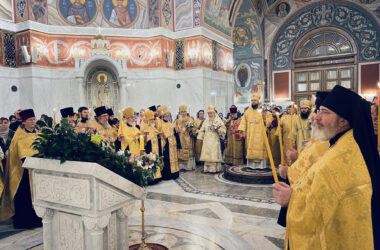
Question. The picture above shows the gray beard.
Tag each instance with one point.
(183, 118)
(105, 125)
(324, 134)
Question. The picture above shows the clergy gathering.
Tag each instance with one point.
(189, 124)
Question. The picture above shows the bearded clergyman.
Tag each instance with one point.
(302, 126)
(102, 126)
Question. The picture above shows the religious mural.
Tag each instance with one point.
(247, 53)
(77, 12)
(183, 14)
(9, 49)
(154, 13)
(21, 10)
(120, 13)
(38, 11)
(363, 29)
(197, 12)
(102, 89)
(282, 9)
(301, 3)
(6, 10)
(22, 39)
(215, 15)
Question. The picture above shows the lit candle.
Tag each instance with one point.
(189, 109)
(54, 111)
(142, 143)
(268, 148)
(291, 125)
(280, 138)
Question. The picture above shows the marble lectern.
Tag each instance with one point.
(82, 205)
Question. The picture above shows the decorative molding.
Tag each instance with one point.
(62, 190)
(9, 45)
(109, 197)
(197, 12)
(214, 56)
(179, 54)
(348, 17)
(96, 223)
(44, 212)
(125, 211)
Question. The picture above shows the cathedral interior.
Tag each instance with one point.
(138, 53)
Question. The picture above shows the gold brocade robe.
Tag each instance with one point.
(152, 138)
(131, 138)
(254, 141)
(167, 130)
(274, 142)
(211, 151)
(309, 155)
(234, 152)
(198, 143)
(285, 132)
(107, 134)
(186, 137)
(301, 131)
(330, 206)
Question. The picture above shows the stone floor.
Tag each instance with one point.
(196, 211)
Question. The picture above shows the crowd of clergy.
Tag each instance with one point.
(325, 151)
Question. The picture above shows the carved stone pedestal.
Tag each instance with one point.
(83, 205)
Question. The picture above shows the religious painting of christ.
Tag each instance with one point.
(77, 12)
(120, 13)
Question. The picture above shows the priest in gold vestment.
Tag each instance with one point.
(18, 196)
(286, 119)
(185, 128)
(335, 203)
(301, 126)
(211, 132)
(152, 139)
(106, 131)
(234, 152)
(198, 143)
(252, 131)
(128, 133)
(171, 144)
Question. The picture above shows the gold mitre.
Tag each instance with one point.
(162, 110)
(256, 96)
(128, 113)
(210, 108)
(305, 103)
(149, 115)
(182, 108)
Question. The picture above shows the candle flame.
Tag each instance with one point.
(54, 110)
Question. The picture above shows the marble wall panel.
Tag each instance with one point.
(10, 100)
(6, 10)
(1, 49)
(183, 14)
(38, 11)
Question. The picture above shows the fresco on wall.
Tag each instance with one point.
(38, 11)
(362, 28)
(154, 13)
(247, 53)
(301, 3)
(22, 39)
(248, 76)
(216, 14)
(197, 12)
(21, 10)
(77, 12)
(167, 14)
(120, 13)
(282, 9)
(183, 14)
(6, 10)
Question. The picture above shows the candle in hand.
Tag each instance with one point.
(142, 143)
(54, 111)
(268, 148)
(280, 138)
(291, 125)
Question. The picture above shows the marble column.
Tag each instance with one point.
(123, 93)
(122, 226)
(47, 216)
(82, 91)
(95, 228)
